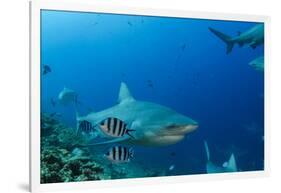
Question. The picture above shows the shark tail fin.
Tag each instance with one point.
(207, 150)
(231, 164)
(227, 39)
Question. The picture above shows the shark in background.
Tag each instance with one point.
(153, 124)
(258, 63)
(228, 166)
(253, 37)
(67, 96)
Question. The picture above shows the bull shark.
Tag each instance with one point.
(258, 63)
(252, 37)
(228, 166)
(154, 124)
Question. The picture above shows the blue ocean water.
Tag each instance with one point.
(174, 62)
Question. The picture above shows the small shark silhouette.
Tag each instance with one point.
(258, 63)
(67, 96)
(253, 37)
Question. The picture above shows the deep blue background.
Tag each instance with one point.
(92, 53)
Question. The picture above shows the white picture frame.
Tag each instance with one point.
(35, 8)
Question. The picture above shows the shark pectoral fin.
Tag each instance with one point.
(118, 140)
(231, 164)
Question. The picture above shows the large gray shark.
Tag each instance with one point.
(154, 124)
(229, 166)
(252, 37)
(258, 63)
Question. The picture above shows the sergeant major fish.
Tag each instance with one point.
(119, 154)
(85, 126)
(115, 127)
(112, 127)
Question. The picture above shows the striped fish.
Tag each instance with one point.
(119, 154)
(115, 127)
(85, 126)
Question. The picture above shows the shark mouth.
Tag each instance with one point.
(179, 129)
(169, 135)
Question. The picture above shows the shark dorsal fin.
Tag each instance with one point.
(124, 94)
(231, 164)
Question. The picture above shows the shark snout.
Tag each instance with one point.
(171, 134)
(181, 129)
(189, 128)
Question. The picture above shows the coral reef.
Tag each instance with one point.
(63, 161)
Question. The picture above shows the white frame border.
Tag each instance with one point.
(34, 146)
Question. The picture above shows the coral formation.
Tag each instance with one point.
(63, 161)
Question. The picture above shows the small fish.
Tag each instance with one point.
(46, 69)
(183, 47)
(119, 154)
(150, 84)
(115, 127)
(172, 167)
(85, 126)
(129, 23)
